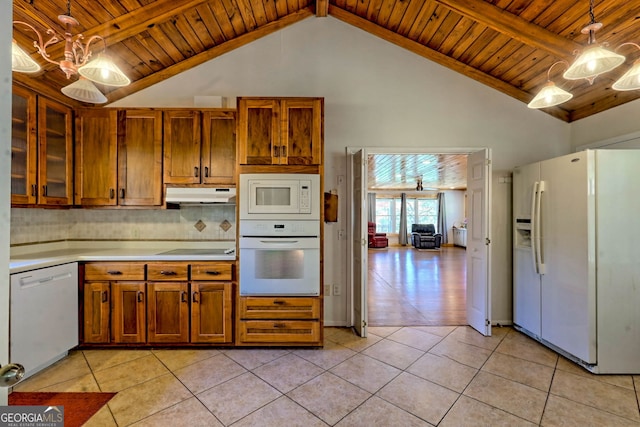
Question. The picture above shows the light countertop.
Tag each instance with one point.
(31, 257)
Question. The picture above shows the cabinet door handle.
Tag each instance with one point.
(34, 190)
(279, 325)
(112, 193)
(196, 171)
(276, 151)
(284, 150)
(44, 190)
(206, 171)
(140, 296)
(278, 302)
(194, 297)
(114, 272)
(213, 273)
(105, 296)
(183, 297)
(122, 193)
(168, 273)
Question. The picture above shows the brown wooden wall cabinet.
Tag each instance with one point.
(158, 303)
(119, 153)
(280, 131)
(140, 158)
(199, 147)
(118, 157)
(41, 150)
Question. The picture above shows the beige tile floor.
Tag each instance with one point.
(409, 376)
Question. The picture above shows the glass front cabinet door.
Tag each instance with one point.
(41, 144)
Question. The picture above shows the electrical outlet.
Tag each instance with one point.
(327, 290)
(336, 290)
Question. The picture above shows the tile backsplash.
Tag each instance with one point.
(187, 223)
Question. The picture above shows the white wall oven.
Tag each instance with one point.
(280, 258)
(280, 196)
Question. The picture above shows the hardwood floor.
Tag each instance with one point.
(408, 287)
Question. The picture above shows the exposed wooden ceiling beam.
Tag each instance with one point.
(513, 26)
(440, 58)
(322, 8)
(207, 55)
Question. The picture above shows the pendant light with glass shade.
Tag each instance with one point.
(550, 94)
(76, 60)
(631, 79)
(594, 60)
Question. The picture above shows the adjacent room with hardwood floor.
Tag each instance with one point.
(408, 285)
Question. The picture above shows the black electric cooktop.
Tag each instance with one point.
(198, 252)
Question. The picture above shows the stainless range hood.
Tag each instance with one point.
(197, 196)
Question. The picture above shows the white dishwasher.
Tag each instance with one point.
(44, 316)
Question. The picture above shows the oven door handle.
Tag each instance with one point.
(280, 242)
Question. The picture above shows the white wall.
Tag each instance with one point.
(376, 95)
(618, 127)
(454, 202)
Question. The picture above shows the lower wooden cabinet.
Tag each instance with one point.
(97, 309)
(211, 312)
(279, 321)
(171, 304)
(128, 312)
(114, 303)
(168, 312)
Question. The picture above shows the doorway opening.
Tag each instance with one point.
(476, 258)
(407, 285)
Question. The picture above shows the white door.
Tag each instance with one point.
(478, 242)
(359, 241)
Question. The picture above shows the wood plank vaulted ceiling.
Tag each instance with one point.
(505, 44)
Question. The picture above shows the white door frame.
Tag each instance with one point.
(390, 150)
(6, 14)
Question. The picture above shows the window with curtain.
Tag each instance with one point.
(419, 211)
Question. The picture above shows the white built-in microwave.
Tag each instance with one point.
(279, 196)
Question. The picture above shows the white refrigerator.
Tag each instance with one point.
(576, 255)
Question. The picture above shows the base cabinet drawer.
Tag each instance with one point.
(212, 271)
(114, 271)
(279, 331)
(280, 308)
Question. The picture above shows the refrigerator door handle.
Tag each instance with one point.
(534, 246)
(538, 238)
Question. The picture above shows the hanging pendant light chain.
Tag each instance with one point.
(591, 14)
(69, 7)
